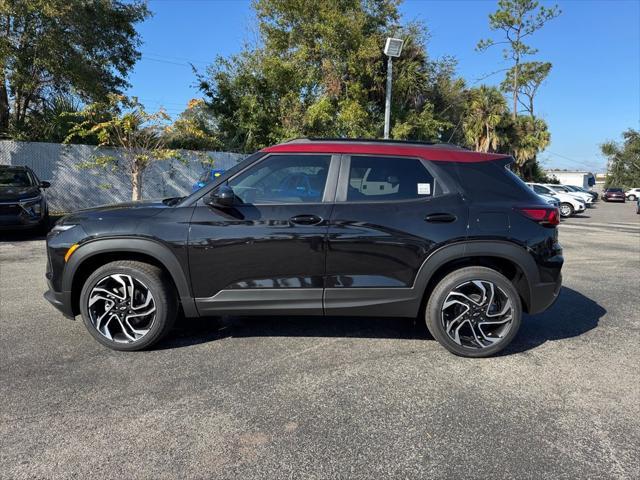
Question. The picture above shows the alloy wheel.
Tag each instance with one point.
(565, 210)
(121, 308)
(477, 314)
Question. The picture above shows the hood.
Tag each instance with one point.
(128, 210)
(10, 194)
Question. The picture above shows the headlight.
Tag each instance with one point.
(61, 228)
(33, 206)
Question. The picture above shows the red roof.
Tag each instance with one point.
(426, 152)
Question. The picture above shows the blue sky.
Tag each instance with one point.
(592, 94)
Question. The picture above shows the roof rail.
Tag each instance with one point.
(375, 140)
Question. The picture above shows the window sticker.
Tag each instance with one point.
(424, 189)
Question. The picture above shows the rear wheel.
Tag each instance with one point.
(632, 197)
(474, 312)
(566, 209)
(128, 305)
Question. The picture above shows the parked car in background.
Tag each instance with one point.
(574, 188)
(303, 228)
(569, 204)
(585, 197)
(632, 194)
(23, 203)
(614, 194)
(206, 177)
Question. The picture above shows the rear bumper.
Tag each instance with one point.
(543, 295)
(60, 300)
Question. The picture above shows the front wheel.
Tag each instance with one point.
(128, 305)
(566, 210)
(474, 312)
(632, 198)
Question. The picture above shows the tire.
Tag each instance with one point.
(43, 228)
(632, 198)
(497, 335)
(566, 210)
(133, 328)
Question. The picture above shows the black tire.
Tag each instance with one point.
(156, 282)
(631, 197)
(566, 210)
(43, 228)
(434, 312)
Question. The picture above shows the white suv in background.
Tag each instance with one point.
(585, 197)
(632, 194)
(569, 204)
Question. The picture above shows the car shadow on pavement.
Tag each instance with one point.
(572, 315)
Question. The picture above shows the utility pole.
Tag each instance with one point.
(392, 48)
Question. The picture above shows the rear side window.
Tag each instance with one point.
(493, 181)
(380, 179)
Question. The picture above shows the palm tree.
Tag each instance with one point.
(529, 137)
(486, 109)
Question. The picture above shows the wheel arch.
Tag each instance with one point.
(93, 254)
(511, 260)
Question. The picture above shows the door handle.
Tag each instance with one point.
(440, 218)
(306, 220)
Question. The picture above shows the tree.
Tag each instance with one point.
(486, 110)
(531, 77)
(623, 160)
(194, 129)
(517, 19)
(318, 70)
(123, 123)
(50, 48)
(528, 137)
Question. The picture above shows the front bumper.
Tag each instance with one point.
(13, 216)
(60, 300)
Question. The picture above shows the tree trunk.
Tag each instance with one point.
(515, 92)
(4, 103)
(136, 183)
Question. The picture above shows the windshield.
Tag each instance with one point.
(14, 177)
(614, 190)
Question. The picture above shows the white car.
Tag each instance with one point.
(585, 197)
(632, 194)
(569, 204)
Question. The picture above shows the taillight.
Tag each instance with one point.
(549, 217)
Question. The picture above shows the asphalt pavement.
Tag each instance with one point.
(251, 398)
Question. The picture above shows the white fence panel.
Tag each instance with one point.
(73, 188)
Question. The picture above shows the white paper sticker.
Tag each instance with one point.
(424, 189)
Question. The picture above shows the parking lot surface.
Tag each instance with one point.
(332, 398)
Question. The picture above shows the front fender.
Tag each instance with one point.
(160, 252)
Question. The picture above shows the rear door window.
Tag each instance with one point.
(379, 179)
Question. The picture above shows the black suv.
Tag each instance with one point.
(23, 203)
(320, 227)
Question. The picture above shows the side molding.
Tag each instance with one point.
(405, 302)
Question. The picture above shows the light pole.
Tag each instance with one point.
(392, 48)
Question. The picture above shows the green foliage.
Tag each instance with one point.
(124, 123)
(319, 70)
(528, 136)
(485, 112)
(194, 129)
(624, 161)
(531, 77)
(55, 48)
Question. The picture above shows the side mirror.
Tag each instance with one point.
(45, 184)
(222, 196)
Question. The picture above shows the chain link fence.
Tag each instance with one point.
(73, 187)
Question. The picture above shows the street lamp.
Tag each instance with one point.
(392, 49)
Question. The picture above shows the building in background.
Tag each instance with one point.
(578, 178)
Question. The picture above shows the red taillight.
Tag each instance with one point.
(549, 217)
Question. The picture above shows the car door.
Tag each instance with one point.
(390, 214)
(266, 253)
